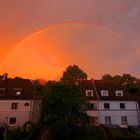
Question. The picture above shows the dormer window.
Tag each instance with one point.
(89, 92)
(104, 92)
(119, 93)
(18, 91)
(2, 91)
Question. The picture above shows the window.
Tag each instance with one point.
(26, 104)
(122, 105)
(14, 106)
(93, 120)
(2, 91)
(18, 91)
(89, 92)
(106, 106)
(104, 92)
(92, 106)
(12, 120)
(124, 119)
(107, 119)
(119, 93)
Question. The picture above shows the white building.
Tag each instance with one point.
(109, 104)
(19, 102)
(122, 113)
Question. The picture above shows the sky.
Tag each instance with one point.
(100, 36)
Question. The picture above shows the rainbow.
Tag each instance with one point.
(59, 26)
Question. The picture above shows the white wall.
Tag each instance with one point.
(22, 113)
(115, 112)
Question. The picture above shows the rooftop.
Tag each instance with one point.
(105, 90)
(17, 89)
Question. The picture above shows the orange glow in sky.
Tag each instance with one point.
(46, 53)
(40, 38)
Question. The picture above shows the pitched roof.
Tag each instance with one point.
(88, 85)
(111, 86)
(11, 85)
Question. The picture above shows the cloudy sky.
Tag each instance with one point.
(113, 27)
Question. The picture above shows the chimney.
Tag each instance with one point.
(4, 76)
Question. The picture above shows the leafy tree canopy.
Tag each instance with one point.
(125, 78)
(129, 82)
(62, 103)
(73, 73)
(107, 77)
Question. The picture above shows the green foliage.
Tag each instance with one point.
(107, 77)
(16, 134)
(73, 73)
(130, 83)
(126, 134)
(117, 78)
(128, 78)
(28, 127)
(124, 79)
(62, 103)
(20, 133)
(134, 88)
(88, 133)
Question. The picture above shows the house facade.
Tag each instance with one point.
(19, 102)
(121, 113)
(110, 104)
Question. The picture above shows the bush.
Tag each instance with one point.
(28, 127)
(88, 133)
(15, 134)
(126, 134)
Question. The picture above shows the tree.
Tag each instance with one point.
(124, 79)
(107, 77)
(62, 103)
(117, 78)
(134, 88)
(128, 82)
(73, 73)
(127, 79)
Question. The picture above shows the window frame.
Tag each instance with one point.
(12, 120)
(108, 119)
(105, 106)
(14, 106)
(119, 93)
(104, 93)
(89, 91)
(122, 106)
(18, 93)
(2, 91)
(124, 119)
(18, 90)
